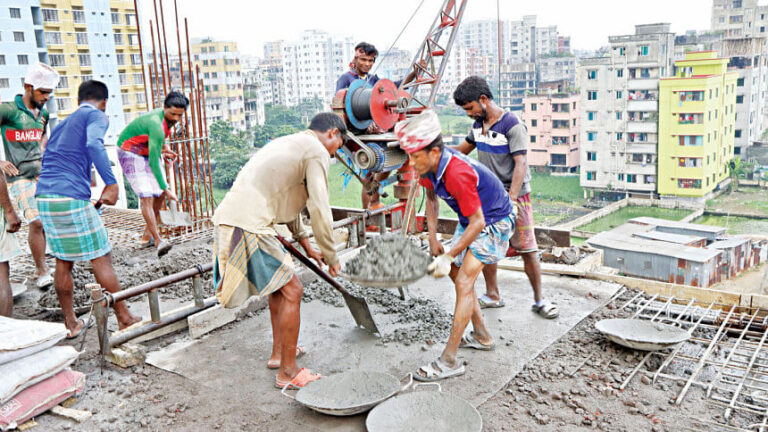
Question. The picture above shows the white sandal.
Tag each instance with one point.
(436, 371)
(547, 310)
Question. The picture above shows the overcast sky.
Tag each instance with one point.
(251, 23)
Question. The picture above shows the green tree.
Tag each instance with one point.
(735, 171)
(223, 136)
(229, 162)
(282, 115)
(230, 150)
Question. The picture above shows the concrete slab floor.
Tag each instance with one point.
(234, 358)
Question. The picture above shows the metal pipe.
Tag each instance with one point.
(159, 283)
(154, 305)
(167, 319)
(100, 313)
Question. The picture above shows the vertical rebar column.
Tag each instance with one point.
(156, 91)
(141, 49)
(160, 47)
(165, 47)
(204, 120)
(100, 313)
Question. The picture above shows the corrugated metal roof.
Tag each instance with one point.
(669, 237)
(728, 243)
(677, 224)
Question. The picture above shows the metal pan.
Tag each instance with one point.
(348, 393)
(380, 283)
(424, 411)
(641, 334)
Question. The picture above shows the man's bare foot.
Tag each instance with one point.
(74, 331)
(127, 321)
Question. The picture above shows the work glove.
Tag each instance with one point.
(440, 266)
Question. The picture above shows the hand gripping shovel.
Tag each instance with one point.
(357, 305)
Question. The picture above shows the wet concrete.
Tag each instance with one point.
(424, 410)
(390, 257)
(234, 358)
(348, 390)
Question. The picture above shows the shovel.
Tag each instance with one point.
(174, 217)
(357, 305)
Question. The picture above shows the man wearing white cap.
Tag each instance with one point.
(23, 123)
(481, 237)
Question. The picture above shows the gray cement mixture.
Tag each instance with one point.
(142, 266)
(416, 319)
(348, 390)
(389, 257)
(428, 410)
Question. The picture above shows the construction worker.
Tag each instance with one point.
(141, 145)
(365, 57)
(23, 123)
(481, 237)
(278, 182)
(501, 142)
(72, 224)
(9, 247)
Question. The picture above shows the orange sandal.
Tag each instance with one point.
(304, 377)
(300, 351)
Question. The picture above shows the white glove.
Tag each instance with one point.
(440, 266)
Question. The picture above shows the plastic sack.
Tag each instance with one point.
(40, 397)
(21, 338)
(24, 372)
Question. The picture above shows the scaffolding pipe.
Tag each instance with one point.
(159, 283)
(167, 319)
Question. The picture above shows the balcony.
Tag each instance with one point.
(642, 105)
(641, 127)
(643, 84)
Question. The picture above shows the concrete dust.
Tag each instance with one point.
(142, 266)
(416, 319)
(389, 257)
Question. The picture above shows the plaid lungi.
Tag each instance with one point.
(247, 264)
(139, 174)
(73, 229)
(490, 246)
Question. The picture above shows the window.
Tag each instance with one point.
(2, 59)
(115, 18)
(85, 59)
(619, 73)
(82, 38)
(592, 175)
(620, 177)
(695, 96)
(23, 59)
(740, 99)
(619, 136)
(204, 49)
(590, 115)
(138, 78)
(689, 162)
(56, 60)
(4, 83)
(126, 99)
(643, 50)
(53, 38)
(740, 82)
(591, 156)
(618, 115)
(591, 136)
(737, 134)
(592, 74)
(622, 51)
(135, 59)
(140, 98)
(591, 95)
(63, 82)
(50, 15)
(691, 140)
(533, 138)
(120, 59)
(133, 39)
(63, 104)
(534, 123)
(118, 38)
(631, 178)
(694, 118)
(618, 95)
(689, 183)
(18, 36)
(78, 16)
(205, 62)
(15, 13)
(213, 62)
(124, 80)
(533, 107)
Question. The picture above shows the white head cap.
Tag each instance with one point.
(42, 76)
(418, 131)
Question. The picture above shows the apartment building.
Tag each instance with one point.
(465, 62)
(697, 115)
(619, 112)
(517, 80)
(220, 68)
(253, 99)
(553, 131)
(557, 68)
(739, 18)
(312, 64)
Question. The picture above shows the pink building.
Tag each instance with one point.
(553, 131)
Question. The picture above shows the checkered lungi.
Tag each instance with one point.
(22, 194)
(490, 246)
(248, 264)
(73, 228)
(524, 234)
(139, 174)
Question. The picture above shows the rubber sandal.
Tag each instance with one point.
(547, 310)
(304, 377)
(300, 351)
(88, 324)
(437, 371)
(163, 248)
(469, 341)
(487, 302)
(44, 281)
(147, 244)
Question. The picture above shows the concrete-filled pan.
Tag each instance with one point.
(642, 335)
(432, 411)
(349, 393)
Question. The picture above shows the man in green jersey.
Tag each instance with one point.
(140, 148)
(23, 125)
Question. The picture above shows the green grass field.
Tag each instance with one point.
(455, 124)
(735, 225)
(559, 188)
(621, 216)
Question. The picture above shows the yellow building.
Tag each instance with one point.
(221, 71)
(696, 121)
(86, 41)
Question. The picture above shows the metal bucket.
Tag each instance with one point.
(642, 335)
(432, 411)
(349, 393)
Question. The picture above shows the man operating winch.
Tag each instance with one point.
(278, 182)
(486, 220)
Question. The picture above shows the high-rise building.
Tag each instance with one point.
(557, 68)
(739, 18)
(553, 131)
(312, 64)
(697, 114)
(517, 80)
(619, 111)
(219, 63)
(253, 98)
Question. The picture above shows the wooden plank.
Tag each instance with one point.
(685, 292)
(72, 414)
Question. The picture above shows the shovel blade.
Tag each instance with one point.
(360, 312)
(173, 217)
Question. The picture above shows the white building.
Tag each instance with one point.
(312, 64)
(619, 111)
(739, 18)
(517, 80)
(557, 68)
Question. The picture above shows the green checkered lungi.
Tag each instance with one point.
(73, 228)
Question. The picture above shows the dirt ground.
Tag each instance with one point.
(747, 282)
(743, 200)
